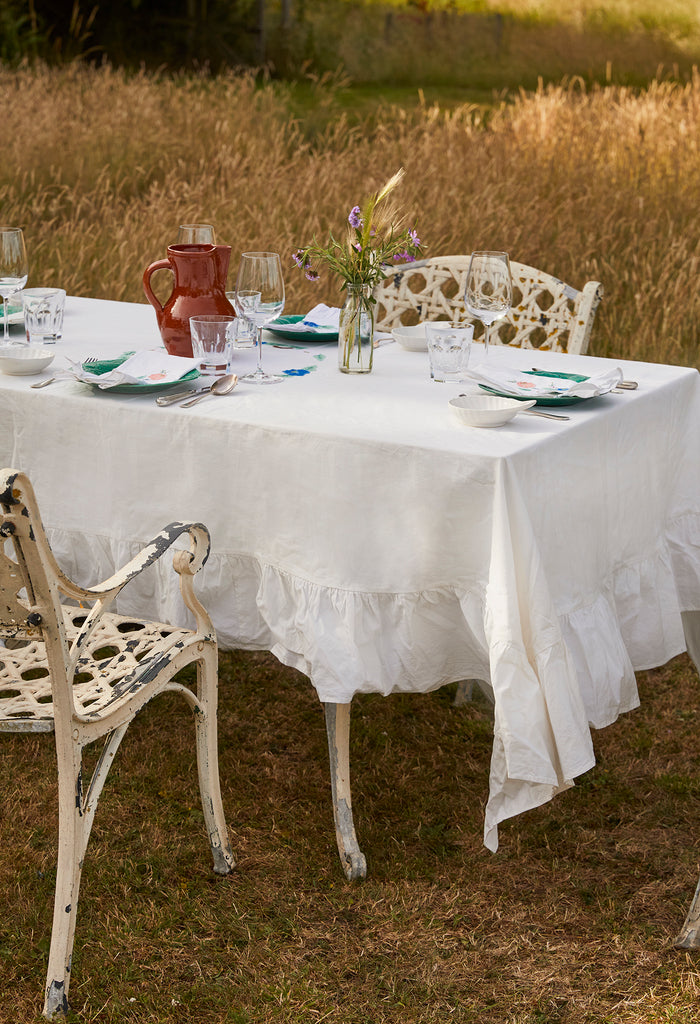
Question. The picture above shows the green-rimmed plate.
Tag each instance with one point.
(15, 314)
(280, 327)
(105, 365)
(549, 399)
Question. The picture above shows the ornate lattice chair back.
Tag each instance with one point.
(546, 313)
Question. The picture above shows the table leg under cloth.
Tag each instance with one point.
(352, 858)
(689, 935)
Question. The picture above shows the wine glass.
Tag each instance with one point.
(13, 269)
(259, 297)
(489, 291)
(201, 234)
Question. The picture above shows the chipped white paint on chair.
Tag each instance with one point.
(84, 673)
(546, 312)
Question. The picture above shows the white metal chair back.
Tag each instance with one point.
(30, 614)
(546, 313)
(84, 672)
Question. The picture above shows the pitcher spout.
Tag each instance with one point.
(222, 257)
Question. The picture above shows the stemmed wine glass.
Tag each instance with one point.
(13, 269)
(196, 234)
(259, 297)
(489, 291)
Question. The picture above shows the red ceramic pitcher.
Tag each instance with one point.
(199, 287)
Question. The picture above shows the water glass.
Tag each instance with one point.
(212, 336)
(449, 346)
(244, 333)
(43, 315)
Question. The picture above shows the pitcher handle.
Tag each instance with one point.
(158, 265)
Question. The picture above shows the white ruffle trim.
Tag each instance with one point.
(349, 642)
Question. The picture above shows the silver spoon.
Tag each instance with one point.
(181, 396)
(222, 386)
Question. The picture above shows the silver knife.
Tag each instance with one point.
(547, 415)
(179, 397)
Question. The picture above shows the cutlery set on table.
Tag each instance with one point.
(201, 332)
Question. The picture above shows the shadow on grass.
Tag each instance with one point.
(589, 888)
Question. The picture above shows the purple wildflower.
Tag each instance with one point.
(356, 245)
(311, 275)
(300, 259)
(413, 235)
(405, 256)
(355, 218)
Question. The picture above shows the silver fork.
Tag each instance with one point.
(90, 361)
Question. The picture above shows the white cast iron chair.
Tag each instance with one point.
(84, 673)
(546, 312)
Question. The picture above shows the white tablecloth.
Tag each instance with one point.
(373, 542)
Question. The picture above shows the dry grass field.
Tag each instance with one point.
(572, 921)
(587, 184)
(500, 43)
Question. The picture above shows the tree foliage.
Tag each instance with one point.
(133, 33)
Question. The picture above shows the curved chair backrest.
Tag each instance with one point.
(30, 607)
(546, 312)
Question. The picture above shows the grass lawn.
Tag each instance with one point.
(571, 922)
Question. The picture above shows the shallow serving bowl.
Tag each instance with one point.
(21, 359)
(487, 410)
(411, 338)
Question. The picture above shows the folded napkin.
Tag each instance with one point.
(321, 317)
(155, 367)
(529, 385)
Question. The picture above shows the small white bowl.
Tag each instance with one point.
(411, 338)
(487, 410)
(21, 360)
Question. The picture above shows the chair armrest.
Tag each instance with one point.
(187, 561)
(15, 489)
(186, 564)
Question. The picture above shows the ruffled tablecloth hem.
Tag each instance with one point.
(349, 643)
(319, 630)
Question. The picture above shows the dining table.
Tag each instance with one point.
(371, 540)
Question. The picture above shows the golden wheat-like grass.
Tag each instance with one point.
(100, 167)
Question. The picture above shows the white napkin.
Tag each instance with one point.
(322, 318)
(155, 367)
(529, 385)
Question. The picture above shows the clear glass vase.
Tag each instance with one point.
(356, 330)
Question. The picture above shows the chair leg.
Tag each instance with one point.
(352, 858)
(689, 937)
(67, 884)
(76, 813)
(463, 694)
(465, 691)
(208, 763)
